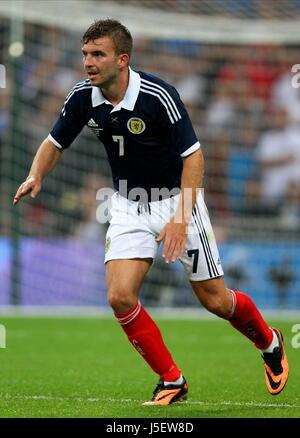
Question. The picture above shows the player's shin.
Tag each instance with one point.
(146, 338)
(247, 319)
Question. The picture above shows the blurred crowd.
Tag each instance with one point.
(265, 9)
(241, 100)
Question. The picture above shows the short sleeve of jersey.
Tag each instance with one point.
(176, 122)
(72, 118)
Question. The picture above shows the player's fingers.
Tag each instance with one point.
(181, 249)
(169, 248)
(23, 190)
(19, 194)
(35, 190)
(161, 235)
(177, 252)
(16, 199)
(166, 246)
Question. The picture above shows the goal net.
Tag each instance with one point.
(235, 65)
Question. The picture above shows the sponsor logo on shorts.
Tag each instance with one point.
(107, 244)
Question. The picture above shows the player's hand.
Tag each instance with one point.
(174, 234)
(32, 185)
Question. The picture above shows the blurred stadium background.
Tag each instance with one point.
(231, 62)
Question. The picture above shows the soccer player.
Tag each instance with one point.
(152, 147)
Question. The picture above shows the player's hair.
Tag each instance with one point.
(119, 34)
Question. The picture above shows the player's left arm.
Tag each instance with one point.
(175, 232)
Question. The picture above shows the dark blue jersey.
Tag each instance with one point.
(145, 135)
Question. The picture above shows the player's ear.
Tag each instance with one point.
(123, 60)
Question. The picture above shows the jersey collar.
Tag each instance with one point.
(130, 97)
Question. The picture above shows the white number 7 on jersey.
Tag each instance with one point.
(120, 140)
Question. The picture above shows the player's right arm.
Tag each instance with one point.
(70, 122)
(44, 161)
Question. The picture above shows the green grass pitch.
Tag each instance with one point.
(85, 367)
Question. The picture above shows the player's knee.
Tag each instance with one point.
(121, 302)
(217, 306)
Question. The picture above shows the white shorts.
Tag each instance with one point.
(132, 234)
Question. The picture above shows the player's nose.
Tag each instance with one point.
(87, 61)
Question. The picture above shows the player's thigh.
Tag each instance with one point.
(124, 278)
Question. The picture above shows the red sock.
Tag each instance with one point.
(146, 338)
(247, 319)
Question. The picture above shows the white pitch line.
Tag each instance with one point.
(56, 398)
(114, 400)
(249, 404)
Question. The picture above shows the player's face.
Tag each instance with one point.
(101, 62)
